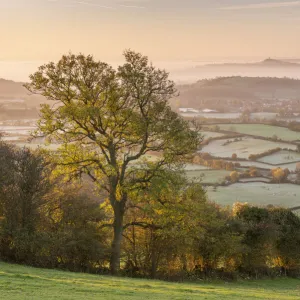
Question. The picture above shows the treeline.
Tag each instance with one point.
(255, 157)
(208, 160)
(171, 231)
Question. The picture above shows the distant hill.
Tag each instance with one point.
(11, 90)
(265, 68)
(208, 93)
(276, 62)
(199, 94)
(269, 62)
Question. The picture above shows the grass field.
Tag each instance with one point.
(25, 283)
(262, 130)
(195, 167)
(255, 179)
(211, 134)
(208, 176)
(281, 157)
(243, 148)
(256, 193)
(33, 146)
(17, 130)
(290, 166)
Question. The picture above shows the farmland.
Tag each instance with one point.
(211, 134)
(16, 130)
(286, 195)
(281, 157)
(19, 282)
(262, 130)
(257, 190)
(208, 176)
(243, 148)
(260, 189)
(260, 165)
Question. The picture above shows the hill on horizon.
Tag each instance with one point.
(236, 88)
(12, 90)
(268, 62)
(220, 88)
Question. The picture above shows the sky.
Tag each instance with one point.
(165, 30)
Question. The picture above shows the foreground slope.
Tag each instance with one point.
(19, 282)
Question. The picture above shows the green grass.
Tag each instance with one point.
(211, 134)
(20, 282)
(195, 167)
(257, 164)
(281, 157)
(256, 193)
(243, 148)
(208, 176)
(263, 130)
(33, 146)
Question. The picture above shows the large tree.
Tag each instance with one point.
(108, 121)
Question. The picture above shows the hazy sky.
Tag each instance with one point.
(163, 29)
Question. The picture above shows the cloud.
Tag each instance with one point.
(262, 5)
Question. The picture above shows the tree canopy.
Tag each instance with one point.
(108, 121)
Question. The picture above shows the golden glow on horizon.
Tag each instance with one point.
(43, 35)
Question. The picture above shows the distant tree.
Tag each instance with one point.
(246, 116)
(254, 172)
(279, 175)
(197, 159)
(234, 176)
(229, 166)
(234, 156)
(107, 121)
(216, 128)
(206, 156)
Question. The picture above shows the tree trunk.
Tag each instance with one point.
(117, 238)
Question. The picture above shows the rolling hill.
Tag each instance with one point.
(22, 283)
(11, 91)
(239, 89)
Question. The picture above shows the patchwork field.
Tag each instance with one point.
(262, 130)
(16, 130)
(286, 195)
(281, 157)
(211, 134)
(259, 115)
(194, 167)
(33, 146)
(242, 148)
(10, 138)
(290, 166)
(208, 176)
(26, 283)
(254, 179)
